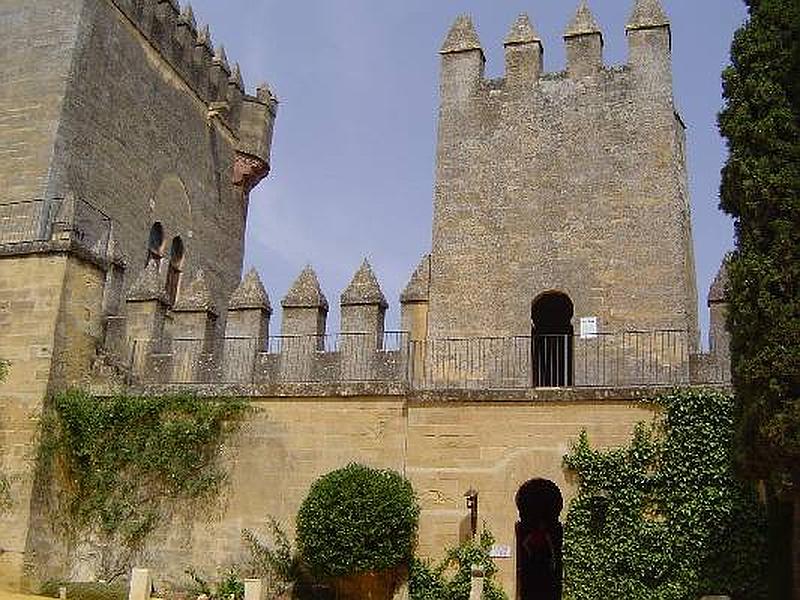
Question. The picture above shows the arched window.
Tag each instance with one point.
(155, 244)
(176, 253)
(551, 340)
(539, 540)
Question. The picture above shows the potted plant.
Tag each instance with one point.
(357, 529)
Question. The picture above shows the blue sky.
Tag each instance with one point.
(353, 155)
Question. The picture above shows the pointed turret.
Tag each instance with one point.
(414, 301)
(650, 41)
(364, 288)
(196, 297)
(583, 22)
(305, 292)
(236, 77)
(418, 288)
(187, 17)
(194, 318)
(247, 326)
(221, 59)
(524, 53)
(462, 37)
(204, 38)
(647, 14)
(584, 41)
(305, 308)
(463, 62)
(250, 294)
(363, 310)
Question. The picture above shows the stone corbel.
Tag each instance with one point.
(248, 171)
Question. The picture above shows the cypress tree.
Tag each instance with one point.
(761, 191)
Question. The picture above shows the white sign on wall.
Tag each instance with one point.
(588, 328)
(500, 551)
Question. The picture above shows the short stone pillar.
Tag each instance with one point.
(253, 589)
(146, 308)
(363, 308)
(194, 321)
(305, 311)
(246, 329)
(141, 585)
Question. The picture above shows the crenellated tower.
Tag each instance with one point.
(567, 186)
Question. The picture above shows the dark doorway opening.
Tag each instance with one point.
(539, 541)
(551, 340)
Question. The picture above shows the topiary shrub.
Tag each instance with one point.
(357, 519)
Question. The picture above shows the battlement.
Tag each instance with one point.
(181, 344)
(463, 59)
(189, 49)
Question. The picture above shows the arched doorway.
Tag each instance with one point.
(539, 541)
(551, 340)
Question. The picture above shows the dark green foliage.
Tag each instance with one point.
(761, 191)
(665, 518)
(117, 462)
(451, 579)
(357, 519)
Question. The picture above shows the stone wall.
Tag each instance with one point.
(572, 182)
(445, 443)
(50, 308)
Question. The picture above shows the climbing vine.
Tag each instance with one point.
(665, 518)
(119, 463)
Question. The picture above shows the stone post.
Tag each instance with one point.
(584, 42)
(194, 322)
(247, 328)
(363, 308)
(141, 585)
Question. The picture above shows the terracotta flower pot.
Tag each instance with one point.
(370, 585)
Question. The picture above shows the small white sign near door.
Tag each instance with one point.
(500, 551)
(588, 328)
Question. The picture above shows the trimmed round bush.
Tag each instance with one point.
(357, 519)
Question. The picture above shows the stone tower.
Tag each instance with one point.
(130, 147)
(571, 184)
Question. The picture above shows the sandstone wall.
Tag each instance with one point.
(50, 324)
(446, 444)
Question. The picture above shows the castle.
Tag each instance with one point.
(559, 290)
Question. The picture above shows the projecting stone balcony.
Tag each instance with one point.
(630, 359)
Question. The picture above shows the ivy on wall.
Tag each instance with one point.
(665, 517)
(119, 463)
